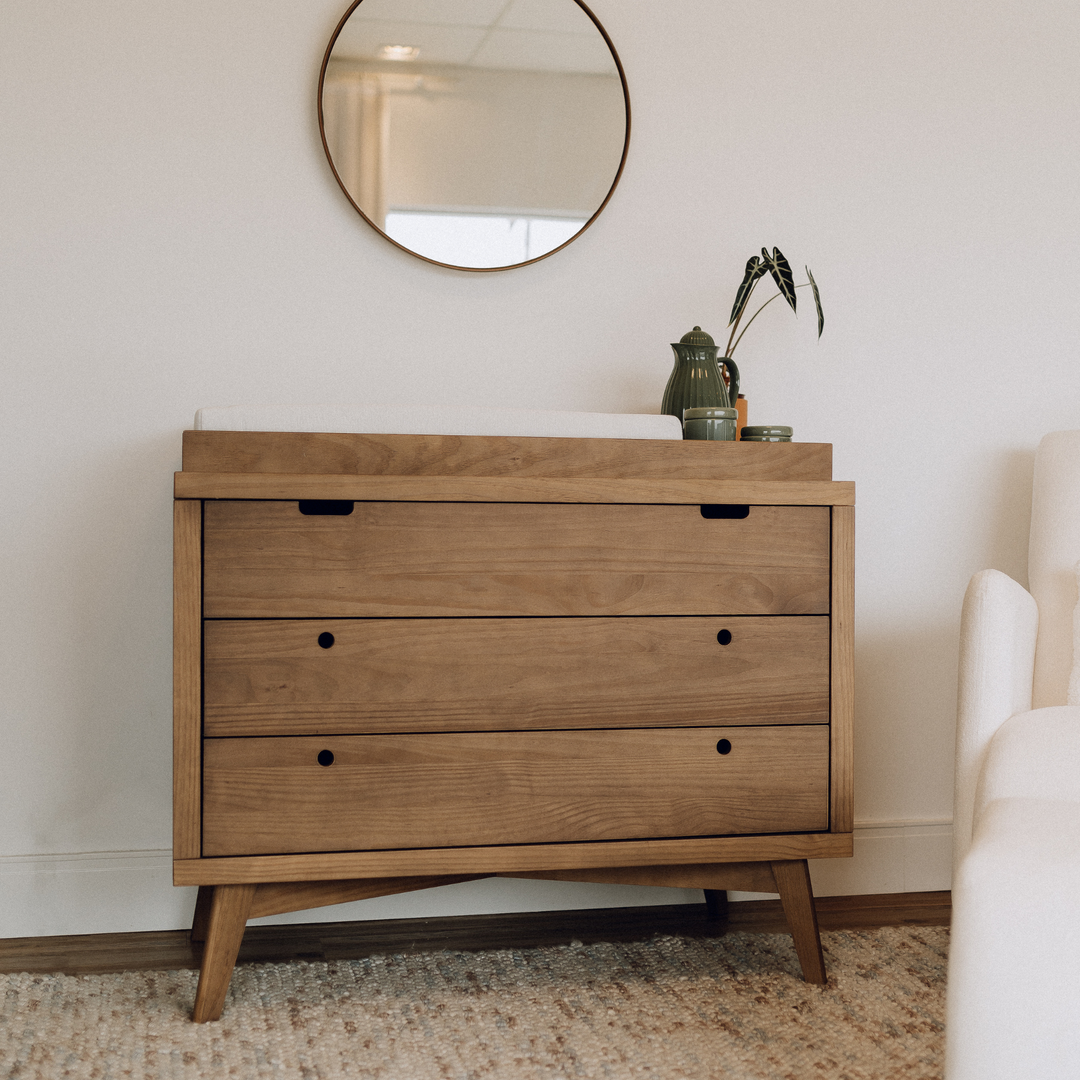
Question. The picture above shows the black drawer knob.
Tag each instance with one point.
(326, 757)
(327, 639)
(722, 747)
(724, 637)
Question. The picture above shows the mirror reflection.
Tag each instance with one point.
(479, 134)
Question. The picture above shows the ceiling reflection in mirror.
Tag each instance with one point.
(480, 134)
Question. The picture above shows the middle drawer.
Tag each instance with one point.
(341, 676)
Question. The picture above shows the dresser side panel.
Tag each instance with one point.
(187, 677)
(842, 689)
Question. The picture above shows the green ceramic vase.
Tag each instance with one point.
(695, 381)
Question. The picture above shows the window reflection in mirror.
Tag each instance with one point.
(479, 134)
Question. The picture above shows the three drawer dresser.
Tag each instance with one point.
(404, 661)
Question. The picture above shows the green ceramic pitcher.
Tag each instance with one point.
(695, 381)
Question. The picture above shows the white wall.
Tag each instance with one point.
(172, 238)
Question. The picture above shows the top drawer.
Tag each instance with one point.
(265, 559)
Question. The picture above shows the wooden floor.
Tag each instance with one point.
(100, 953)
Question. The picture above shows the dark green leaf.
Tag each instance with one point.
(754, 269)
(785, 280)
(817, 302)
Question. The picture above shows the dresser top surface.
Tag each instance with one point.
(350, 454)
(327, 465)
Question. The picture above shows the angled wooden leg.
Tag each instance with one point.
(797, 898)
(229, 911)
(200, 921)
(716, 905)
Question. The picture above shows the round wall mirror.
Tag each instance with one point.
(477, 134)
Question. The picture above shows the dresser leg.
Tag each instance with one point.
(797, 898)
(229, 911)
(716, 905)
(200, 921)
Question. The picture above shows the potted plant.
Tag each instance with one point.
(701, 378)
(756, 268)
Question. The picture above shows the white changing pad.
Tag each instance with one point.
(436, 420)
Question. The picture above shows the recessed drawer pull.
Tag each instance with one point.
(326, 757)
(724, 637)
(326, 507)
(326, 640)
(725, 510)
(722, 747)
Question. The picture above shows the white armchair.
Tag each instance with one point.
(1014, 966)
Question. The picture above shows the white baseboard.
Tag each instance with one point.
(94, 892)
(890, 857)
(102, 892)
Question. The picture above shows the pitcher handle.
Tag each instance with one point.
(733, 375)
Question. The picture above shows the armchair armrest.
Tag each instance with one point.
(998, 629)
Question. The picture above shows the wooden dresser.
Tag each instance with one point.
(405, 661)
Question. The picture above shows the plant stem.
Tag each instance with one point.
(731, 348)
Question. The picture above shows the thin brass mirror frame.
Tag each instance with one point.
(479, 269)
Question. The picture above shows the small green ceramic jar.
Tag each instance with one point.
(717, 424)
(766, 434)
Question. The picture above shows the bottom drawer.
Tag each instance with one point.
(366, 792)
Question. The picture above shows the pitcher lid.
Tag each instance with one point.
(697, 336)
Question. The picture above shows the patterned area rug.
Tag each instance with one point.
(730, 1007)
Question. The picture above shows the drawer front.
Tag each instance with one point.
(267, 796)
(264, 559)
(295, 677)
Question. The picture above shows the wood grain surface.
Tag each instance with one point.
(268, 796)
(797, 896)
(276, 898)
(525, 489)
(489, 455)
(842, 810)
(230, 907)
(741, 877)
(273, 677)
(267, 560)
(510, 858)
(187, 677)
